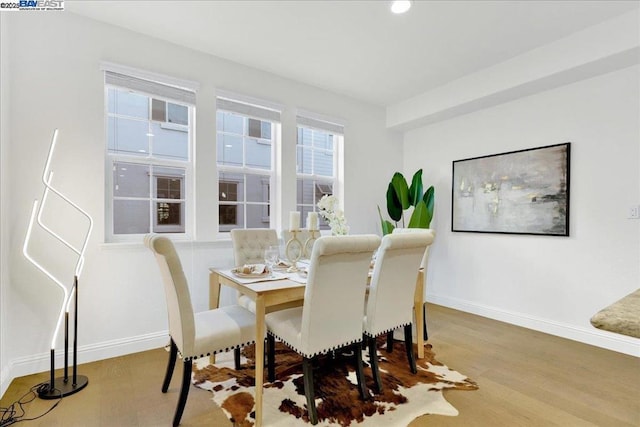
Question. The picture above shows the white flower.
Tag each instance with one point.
(328, 209)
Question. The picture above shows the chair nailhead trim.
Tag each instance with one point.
(309, 355)
(216, 351)
(369, 334)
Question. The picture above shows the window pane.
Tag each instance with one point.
(130, 180)
(127, 136)
(305, 192)
(158, 110)
(231, 187)
(255, 130)
(304, 160)
(323, 189)
(228, 214)
(178, 114)
(258, 128)
(229, 148)
(258, 154)
(322, 140)
(228, 191)
(257, 188)
(169, 214)
(266, 130)
(131, 216)
(323, 163)
(304, 136)
(171, 143)
(231, 216)
(229, 122)
(127, 103)
(169, 182)
(257, 216)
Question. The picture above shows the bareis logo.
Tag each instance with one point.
(44, 4)
(32, 5)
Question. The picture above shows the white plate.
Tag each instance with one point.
(240, 274)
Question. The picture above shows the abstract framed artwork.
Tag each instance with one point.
(518, 192)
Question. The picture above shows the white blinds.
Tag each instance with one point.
(149, 87)
(311, 120)
(248, 109)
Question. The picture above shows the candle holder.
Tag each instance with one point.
(290, 251)
(308, 244)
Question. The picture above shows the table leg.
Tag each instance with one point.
(260, 333)
(418, 304)
(214, 299)
(214, 290)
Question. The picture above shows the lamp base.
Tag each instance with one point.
(62, 388)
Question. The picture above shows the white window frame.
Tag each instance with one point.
(315, 123)
(111, 159)
(250, 108)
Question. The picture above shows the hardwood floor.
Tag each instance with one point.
(526, 378)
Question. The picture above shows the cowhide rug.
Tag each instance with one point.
(405, 396)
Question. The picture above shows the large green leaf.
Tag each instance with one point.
(420, 217)
(415, 191)
(394, 207)
(429, 200)
(402, 189)
(387, 227)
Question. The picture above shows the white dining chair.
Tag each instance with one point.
(391, 293)
(331, 315)
(195, 335)
(423, 266)
(249, 245)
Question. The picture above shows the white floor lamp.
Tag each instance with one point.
(62, 386)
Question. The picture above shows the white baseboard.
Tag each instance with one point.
(592, 336)
(88, 353)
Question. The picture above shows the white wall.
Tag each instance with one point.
(56, 83)
(552, 284)
(4, 196)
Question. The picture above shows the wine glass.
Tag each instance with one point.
(271, 257)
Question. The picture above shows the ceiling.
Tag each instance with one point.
(359, 48)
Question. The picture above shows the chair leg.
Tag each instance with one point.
(184, 392)
(408, 343)
(307, 372)
(362, 387)
(389, 341)
(173, 353)
(236, 358)
(271, 356)
(373, 359)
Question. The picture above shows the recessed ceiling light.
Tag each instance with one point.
(400, 6)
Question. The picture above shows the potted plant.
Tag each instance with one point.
(400, 197)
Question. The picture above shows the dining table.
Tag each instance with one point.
(282, 290)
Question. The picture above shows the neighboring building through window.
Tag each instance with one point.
(245, 149)
(149, 146)
(317, 163)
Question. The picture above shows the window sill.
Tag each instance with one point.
(222, 242)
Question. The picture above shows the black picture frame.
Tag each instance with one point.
(517, 192)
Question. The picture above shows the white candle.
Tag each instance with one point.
(312, 220)
(294, 220)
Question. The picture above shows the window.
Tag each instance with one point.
(149, 145)
(245, 139)
(316, 164)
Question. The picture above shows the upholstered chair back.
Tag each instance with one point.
(249, 244)
(176, 289)
(425, 258)
(335, 292)
(393, 282)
